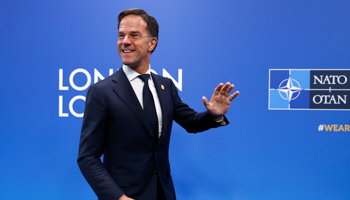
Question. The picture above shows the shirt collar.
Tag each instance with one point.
(131, 74)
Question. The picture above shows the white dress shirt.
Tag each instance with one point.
(137, 84)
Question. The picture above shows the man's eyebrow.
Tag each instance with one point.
(136, 32)
(132, 32)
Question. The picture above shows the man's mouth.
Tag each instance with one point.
(128, 51)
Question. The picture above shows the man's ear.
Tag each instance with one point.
(153, 44)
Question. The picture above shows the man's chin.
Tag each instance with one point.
(130, 65)
(127, 62)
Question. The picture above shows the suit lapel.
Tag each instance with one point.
(126, 93)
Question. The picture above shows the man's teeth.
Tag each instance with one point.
(127, 51)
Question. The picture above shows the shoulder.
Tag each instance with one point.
(109, 81)
(105, 86)
(162, 79)
(105, 82)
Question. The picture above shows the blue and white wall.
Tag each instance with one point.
(52, 51)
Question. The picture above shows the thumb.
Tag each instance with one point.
(205, 101)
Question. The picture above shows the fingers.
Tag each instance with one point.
(234, 95)
(218, 89)
(229, 89)
(205, 100)
(225, 90)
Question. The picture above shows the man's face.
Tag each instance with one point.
(134, 42)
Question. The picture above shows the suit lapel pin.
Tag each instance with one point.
(162, 86)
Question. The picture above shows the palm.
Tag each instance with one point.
(220, 101)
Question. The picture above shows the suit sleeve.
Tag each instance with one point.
(189, 119)
(92, 142)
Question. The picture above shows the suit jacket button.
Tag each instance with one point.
(155, 173)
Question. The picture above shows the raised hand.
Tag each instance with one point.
(220, 102)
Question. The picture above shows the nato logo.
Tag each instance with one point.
(309, 89)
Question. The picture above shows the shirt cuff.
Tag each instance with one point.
(221, 121)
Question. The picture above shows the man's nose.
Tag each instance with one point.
(126, 40)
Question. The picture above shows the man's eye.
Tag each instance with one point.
(121, 36)
(135, 36)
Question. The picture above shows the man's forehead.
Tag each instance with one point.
(132, 22)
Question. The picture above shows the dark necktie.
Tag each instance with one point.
(149, 107)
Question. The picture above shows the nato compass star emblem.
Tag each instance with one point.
(289, 89)
(286, 93)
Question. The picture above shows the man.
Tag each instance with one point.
(128, 119)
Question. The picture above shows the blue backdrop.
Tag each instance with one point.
(51, 49)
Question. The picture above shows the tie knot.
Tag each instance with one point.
(144, 77)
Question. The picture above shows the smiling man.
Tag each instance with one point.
(128, 118)
(136, 41)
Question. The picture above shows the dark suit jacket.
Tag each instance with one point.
(115, 125)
